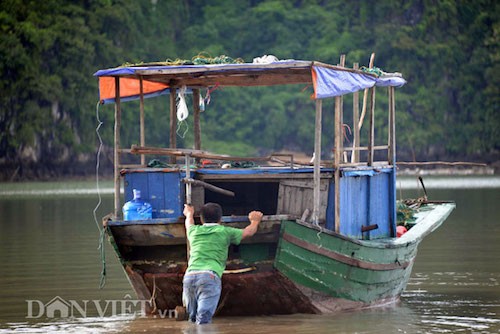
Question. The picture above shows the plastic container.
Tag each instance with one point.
(137, 209)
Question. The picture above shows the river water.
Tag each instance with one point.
(48, 249)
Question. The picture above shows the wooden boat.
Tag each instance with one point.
(328, 238)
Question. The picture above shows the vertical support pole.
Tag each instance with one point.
(391, 153)
(188, 178)
(141, 121)
(196, 120)
(371, 139)
(355, 123)
(317, 161)
(173, 122)
(392, 156)
(118, 116)
(338, 155)
(341, 102)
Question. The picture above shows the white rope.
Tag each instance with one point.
(102, 232)
(98, 162)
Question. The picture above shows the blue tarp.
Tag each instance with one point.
(331, 82)
(327, 80)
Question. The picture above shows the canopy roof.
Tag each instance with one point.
(327, 80)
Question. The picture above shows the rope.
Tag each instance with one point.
(102, 231)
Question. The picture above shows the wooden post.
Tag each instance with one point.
(371, 139)
(173, 122)
(317, 161)
(141, 121)
(355, 123)
(365, 95)
(341, 102)
(391, 152)
(337, 161)
(118, 116)
(196, 120)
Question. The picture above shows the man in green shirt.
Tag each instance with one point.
(209, 245)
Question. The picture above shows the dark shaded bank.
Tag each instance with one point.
(17, 172)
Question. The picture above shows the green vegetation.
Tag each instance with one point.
(447, 50)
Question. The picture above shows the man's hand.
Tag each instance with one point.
(189, 213)
(255, 217)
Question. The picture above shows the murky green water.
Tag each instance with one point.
(48, 249)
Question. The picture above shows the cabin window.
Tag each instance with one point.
(262, 196)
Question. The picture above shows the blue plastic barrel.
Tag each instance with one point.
(137, 209)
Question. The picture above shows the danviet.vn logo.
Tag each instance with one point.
(59, 307)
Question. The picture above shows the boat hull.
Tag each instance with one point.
(337, 273)
(304, 269)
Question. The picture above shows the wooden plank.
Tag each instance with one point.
(118, 118)
(261, 177)
(142, 131)
(317, 161)
(267, 79)
(173, 122)
(297, 196)
(140, 288)
(365, 148)
(229, 68)
(175, 233)
(302, 184)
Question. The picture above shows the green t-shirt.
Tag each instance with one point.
(209, 246)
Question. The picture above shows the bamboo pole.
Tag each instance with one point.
(173, 122)
(141, 121)
(118, 112)
(317, 161)
(391, 152)
(337, 161)
(341, 101)
(355, 123)
(196, 120)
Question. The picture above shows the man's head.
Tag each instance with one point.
(211, 213)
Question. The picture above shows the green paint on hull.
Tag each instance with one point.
(338, 279)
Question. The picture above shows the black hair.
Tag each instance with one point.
(211, 213)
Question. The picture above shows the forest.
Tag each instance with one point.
(448, 51)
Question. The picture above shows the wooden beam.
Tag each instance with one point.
(141, 121)
(118, 112)
(173, 122)
(317, 162)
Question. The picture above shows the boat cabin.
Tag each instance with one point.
(336, 195)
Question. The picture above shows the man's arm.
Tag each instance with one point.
(255, 217)
(189, 213)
